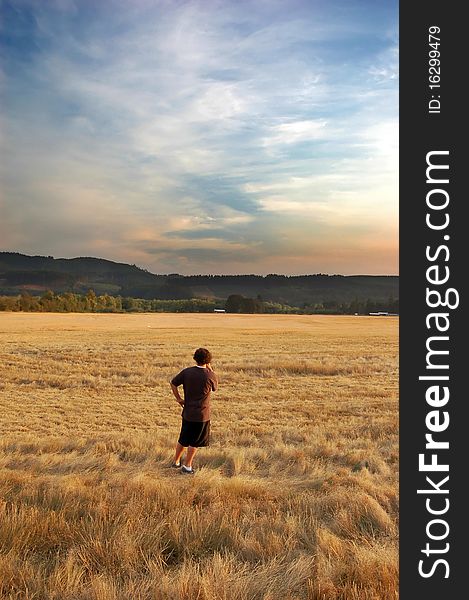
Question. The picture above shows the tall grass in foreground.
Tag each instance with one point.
(296, 498)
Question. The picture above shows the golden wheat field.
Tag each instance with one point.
(296, 498)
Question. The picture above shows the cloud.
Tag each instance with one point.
(298, 131)
(131, 125)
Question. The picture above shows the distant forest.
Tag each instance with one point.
(68, 302)
(43, 283)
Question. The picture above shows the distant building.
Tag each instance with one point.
(221, 310)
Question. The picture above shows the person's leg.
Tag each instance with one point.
(179, 452)
(189, 456)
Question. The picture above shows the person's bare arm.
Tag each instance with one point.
(175, 391)
(214, 380)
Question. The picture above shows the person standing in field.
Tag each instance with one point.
(198, 382)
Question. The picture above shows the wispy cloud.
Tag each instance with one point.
(297, 131)
(136, 130)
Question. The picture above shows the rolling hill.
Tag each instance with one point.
(37, 274)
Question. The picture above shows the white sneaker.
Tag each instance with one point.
(187, 470)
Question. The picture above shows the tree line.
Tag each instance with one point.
(239, 304)
(235, 303)
(90, 302)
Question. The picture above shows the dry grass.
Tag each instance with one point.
(296, 498)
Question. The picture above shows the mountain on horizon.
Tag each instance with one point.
(37, 274)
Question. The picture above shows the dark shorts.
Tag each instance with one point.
(194, 434)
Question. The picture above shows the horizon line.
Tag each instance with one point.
(197, 274)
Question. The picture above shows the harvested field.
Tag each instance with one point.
(295, 499)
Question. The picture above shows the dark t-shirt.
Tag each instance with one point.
(197, 383)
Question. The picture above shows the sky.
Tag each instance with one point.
(183, 136)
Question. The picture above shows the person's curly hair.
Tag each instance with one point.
(202, 356)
